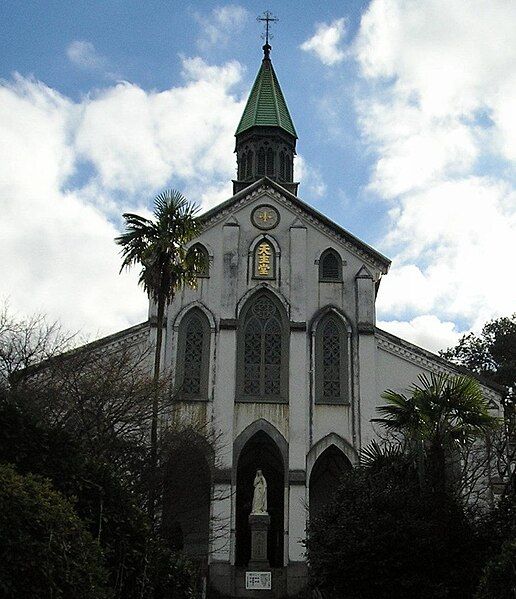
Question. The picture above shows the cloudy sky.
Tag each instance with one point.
(405, 112)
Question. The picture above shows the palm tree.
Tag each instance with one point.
(160, 248)
(441, 414)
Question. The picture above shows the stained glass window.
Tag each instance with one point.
(332, 360)
(262, 351)
(193, 356)
(193, 359)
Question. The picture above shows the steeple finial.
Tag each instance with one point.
(267, 18)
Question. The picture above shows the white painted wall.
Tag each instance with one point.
(376, 365)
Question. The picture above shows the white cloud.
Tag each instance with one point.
(136, 139)
(220, 25)
(436, 108)
(426, 331)
(309, 177)
(57, 234)
(84, 55)
(326, 42)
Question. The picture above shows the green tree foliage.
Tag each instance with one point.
(160, 248)
(498, 532)
(45, 549)
(441, 414)
(491, 354)
(108, 508)
(499, 576)
(382, 536)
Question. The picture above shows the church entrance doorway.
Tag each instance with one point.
(325, 478)
(186, 496)
(260, 453)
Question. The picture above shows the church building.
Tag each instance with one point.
(277, 351)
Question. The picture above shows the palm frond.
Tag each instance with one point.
(159, 246)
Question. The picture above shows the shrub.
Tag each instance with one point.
(382, 537)
(45, 549)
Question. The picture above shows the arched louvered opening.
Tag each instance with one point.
(330, 266)
(242, 166)
(261, 161)
(332, 357)
(325, 478)
(193, 356)
(202, 259)
(260, 453)
(288, 168)
(263, 351)
(270, 162)
(282, 165)
(250, 158)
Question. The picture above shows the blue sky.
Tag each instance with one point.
(407, 138)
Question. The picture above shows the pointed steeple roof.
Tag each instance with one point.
(266, 106)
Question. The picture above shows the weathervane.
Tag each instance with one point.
(267, 18)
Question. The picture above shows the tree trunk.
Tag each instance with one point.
(155, 408)
(437, 467)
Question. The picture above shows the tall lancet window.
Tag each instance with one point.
(193, 356)
(263, 352)
(332, 361)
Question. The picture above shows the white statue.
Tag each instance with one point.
(260, 494)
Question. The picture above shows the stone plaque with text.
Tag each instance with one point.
(258, 581)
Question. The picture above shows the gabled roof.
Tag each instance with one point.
(266, 106)
(374, 257)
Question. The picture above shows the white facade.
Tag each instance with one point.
(301, 426)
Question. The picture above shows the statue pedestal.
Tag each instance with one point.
(259, 524)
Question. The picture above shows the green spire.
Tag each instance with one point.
(266, 106)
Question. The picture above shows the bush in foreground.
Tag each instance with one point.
(382, 536)
(45, 549)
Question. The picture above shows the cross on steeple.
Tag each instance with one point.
(267, 18)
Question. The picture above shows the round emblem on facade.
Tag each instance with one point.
(265, 217)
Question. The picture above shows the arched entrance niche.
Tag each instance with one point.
(325, 477)
(258, 449)
(187, 495)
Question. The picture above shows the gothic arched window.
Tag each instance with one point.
(193, 356)
(270, 162)
(261, 161)
(331, 361)
(263, 352)
(202, 258)
(330, 266)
